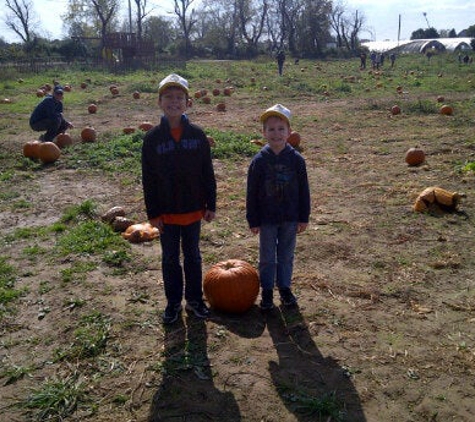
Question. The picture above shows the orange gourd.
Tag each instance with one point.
(395, 109)
(231, 286)
(294, 139)
(63, 140)
(446, 110)
(88, 134)
(221, 107)
(48, 152)
(415, 156)
(31, 149)
(92, 108)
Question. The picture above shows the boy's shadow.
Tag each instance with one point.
(313, 387)
(187, 391)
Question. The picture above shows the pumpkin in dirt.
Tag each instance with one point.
(128, 129)
(48, 152)
(31, 149)
(395, 109)
(140, 232)
(92, 108)
(446, 110)
(294, 139)
(145, 126)
(415, 156)
(63, 140)
(136, 95)
(221, 107)
(231, 286)
(88, 134)
(206, 99)
(216, 92)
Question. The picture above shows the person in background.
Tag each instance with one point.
(48, 116)
(277, 205)
(179, 191)
(280, 61)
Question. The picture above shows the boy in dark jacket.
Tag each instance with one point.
(179, 191)
(48, 116)
(277, 205)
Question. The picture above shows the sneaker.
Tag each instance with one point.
(171, 314)
(287, 297)
(199, 308)
(267, 302)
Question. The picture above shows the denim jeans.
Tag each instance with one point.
(276, 254)
(174, 278)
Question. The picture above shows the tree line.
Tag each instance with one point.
(224, 29)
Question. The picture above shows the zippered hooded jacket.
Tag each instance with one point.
(277, 188)
(177, 177)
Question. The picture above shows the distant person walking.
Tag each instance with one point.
(363, 61)
(392, 58)
(280, 61)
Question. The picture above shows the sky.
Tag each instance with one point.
(381, 16)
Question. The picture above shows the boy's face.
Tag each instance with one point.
(173, 101)
(276, 131)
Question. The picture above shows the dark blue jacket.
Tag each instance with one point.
(48, 108)
(177, 177)
(277, 188)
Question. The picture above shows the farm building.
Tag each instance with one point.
(419, 46)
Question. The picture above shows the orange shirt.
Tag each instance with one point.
(185, 218)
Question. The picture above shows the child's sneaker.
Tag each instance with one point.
(267, 302)
(171, 314)
(199, 308)
(287, 297)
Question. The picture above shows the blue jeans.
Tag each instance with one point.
(173, 275)
(276, 254)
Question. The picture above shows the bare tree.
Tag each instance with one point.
(21, 18)
(187, 21)
(141, 14)
(347, 25)
(252, 19)
(106, 12)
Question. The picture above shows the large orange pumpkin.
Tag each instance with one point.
(63, 140)
(294, 139)
(88, 134)
(415, 156)
(231, 286)
(48, 152)
(31, 149)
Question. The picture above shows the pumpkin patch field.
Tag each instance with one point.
(384, 330)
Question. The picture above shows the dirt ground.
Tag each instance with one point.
(386, 315)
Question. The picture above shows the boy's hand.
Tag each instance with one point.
(209, 216)
(301, 227)
(157, 222)
(255, 230)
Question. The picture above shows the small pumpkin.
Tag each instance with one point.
(140, 232)
(88, 134)
(294, 139)
(415, 156)
(63, 140)
(31, 149)
(446, 110)
(206, 99)
(136, 95)
(231, 286)
(440, 99)
(221, 107)
(92, 108)
(128, 129)
(145, 126)
(216, 92)
(395, 109)
(228, 91)
(48, 152)
(83, 85)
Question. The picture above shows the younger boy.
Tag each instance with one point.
(277, 205)
(179, 191)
